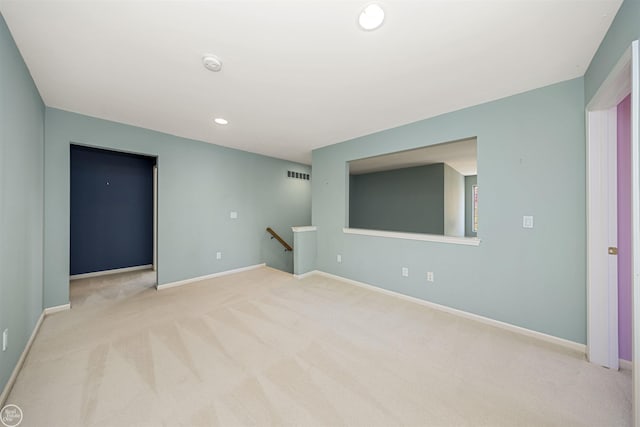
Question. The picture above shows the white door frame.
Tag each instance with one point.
(602, 277)
(635, 224)
(155, 218)
(601, 116)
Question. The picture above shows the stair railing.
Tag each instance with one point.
(274, 235)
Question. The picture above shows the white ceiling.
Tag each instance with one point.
(460, 155)
(296, 75)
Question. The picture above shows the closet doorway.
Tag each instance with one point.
(112, 224)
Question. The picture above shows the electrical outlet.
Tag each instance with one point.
(430, 276)
(527, 221)
(5, 339)
(405, 272)
(339, 258)
(218, 255)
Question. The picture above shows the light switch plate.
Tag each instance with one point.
(218, 255)
(339, 258)
(5, 339)
(233, 215)
(527, 221)
(405, 272)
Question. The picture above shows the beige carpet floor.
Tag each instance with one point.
(262, 348)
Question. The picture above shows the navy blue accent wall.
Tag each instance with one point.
(111, 210)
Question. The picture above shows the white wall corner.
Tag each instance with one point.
(51, 310)
(14, 374)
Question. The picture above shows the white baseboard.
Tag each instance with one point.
(12, 379)
(108, 272)
(581, 348)
(307, 274)
(209, 276)
(625, 365)
(57, 308)
(23, 356)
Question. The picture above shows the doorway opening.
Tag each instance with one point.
(602, 216)
(625, 254)
(607, 316)
(113, 223)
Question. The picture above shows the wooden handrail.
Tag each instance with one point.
(275, 235)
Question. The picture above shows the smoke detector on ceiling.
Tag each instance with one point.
(212, 63)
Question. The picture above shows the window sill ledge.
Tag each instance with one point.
(467, 241)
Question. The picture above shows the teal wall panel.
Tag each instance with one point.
(21, 199)
(453, 202)
(531, 151)
(408, 200)
(304, 252)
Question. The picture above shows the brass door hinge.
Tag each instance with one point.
(613, 250)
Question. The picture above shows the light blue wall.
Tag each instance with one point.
(21, 197)
(199, 184)
(453, 202)
(624, 29)
(531, 150)
(408, 200)
(304, 252)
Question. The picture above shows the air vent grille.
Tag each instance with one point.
(299, 175)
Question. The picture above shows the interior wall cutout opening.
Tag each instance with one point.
(111, 210)
(428, 190)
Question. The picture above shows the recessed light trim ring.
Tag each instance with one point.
(371, 17)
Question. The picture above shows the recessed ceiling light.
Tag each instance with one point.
(220, 121)
(371, 17)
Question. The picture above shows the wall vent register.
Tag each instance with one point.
(299, 175)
